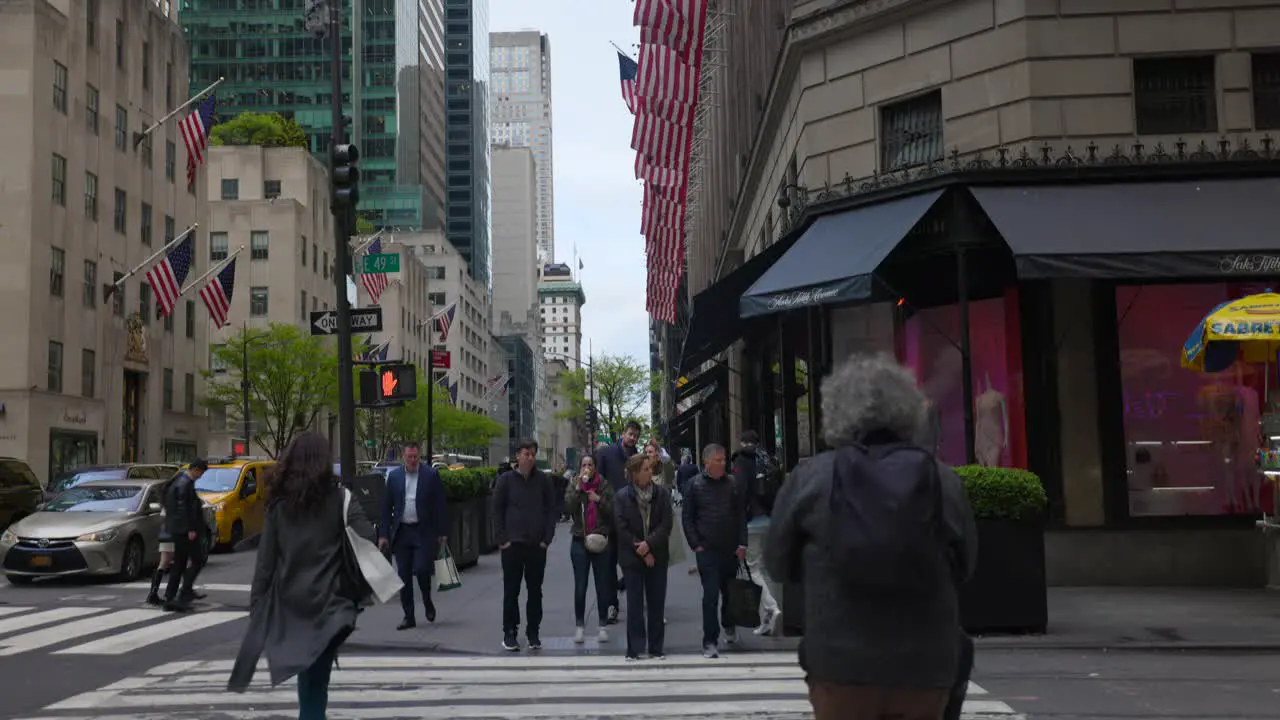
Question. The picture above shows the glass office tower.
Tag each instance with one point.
(466, 38)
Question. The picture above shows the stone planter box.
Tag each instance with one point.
(464, 531)
(1007, 593)
(488, 526)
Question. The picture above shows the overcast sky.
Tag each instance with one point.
(597, 195)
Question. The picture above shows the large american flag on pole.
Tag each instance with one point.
(194, 129)
(661, 91)
(217, 294)
(166, 277)
(444, 320)
(375, 283)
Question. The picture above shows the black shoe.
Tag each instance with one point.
(510, 642)
(154, 599)
(176, 606)
(431, 611)
(535, 642)
(406, 623)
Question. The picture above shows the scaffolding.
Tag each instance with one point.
(713, 52)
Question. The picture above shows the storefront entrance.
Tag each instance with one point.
(69, 449)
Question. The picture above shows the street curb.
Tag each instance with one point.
(1123, 645)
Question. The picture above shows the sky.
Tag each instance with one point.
(597, 196)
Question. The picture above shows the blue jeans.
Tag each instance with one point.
(586, 564)
(715, 570)
(313, 686)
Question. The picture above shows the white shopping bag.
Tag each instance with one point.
(374, 566)
(447, 571)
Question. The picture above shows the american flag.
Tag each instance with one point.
(664, 75)
(627, 70)
(444, 319)
(217, 294)
(375, 353)
(374, 283)
(662, 141)
(453, 392)
(166, 277)
(194, 129)
(675, 24)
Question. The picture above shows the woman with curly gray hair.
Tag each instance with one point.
(880, 534)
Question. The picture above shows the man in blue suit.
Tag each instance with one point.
(413, 525)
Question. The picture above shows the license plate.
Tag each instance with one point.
(41, 561)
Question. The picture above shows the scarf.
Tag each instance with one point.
(590, 516)
(643, 498)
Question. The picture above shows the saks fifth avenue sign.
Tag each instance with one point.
(802, 298)
(1250, 264)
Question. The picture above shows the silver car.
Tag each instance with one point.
(105, 527)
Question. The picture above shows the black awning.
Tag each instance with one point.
(700, 382)
(715, 324)
(1139, 230)
(834, 259)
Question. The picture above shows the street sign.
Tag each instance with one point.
(325, 322)
(384, 263)
(440, 360)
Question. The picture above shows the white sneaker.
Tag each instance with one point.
(579, 635)
(731, 635)
(709, 651)
(770, 625)
(603, 636)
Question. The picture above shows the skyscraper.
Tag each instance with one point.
(466, 37)
(520, 66)
(272, 65)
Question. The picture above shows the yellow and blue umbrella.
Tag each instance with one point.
(1247, 329)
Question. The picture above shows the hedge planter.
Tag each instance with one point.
(464, 535)
(488, 526)
(1007, 592)
(466, 491)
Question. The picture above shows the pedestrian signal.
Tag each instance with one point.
(399, 382)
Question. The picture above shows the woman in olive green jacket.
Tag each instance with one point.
(588, 501)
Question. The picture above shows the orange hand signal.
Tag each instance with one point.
(389, 383)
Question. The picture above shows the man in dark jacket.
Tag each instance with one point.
(687, 471)
(184, 520)
(611, 463)
(525, 510)
(715, 525)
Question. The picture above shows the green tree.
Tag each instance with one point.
(291, 376)
(622, 385)
(363, 226)
(265, 129)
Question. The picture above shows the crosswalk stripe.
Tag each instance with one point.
(152, 634)
(26, 622)
(69, 631)
(208, 587)
(13, 610)
(511, 688)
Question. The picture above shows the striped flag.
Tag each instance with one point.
(662, 141)
(444, 320)
(662, 74)
(627, 71)
(374, 283)
(166, 277)
(217, 294)
(453, 393)
(194, 129)
(675, 24)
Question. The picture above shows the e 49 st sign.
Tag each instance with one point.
(325, 322)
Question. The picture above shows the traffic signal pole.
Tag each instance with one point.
(342, 213)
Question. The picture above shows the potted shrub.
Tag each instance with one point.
(464, 492)
(1007, 591)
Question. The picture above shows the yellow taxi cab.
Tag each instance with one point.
(235, 488)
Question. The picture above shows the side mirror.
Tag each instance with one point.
(154, 508)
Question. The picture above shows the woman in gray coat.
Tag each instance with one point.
(302, 604)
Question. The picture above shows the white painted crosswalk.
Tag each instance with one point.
(83, 630)
(767, 686)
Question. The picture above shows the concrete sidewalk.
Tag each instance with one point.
(469, 619)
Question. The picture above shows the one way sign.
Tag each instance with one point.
(325, 322)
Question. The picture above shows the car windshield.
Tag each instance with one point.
(101, 499)
(218, 480)
(81, 478)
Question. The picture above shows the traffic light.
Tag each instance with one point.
(370, 391)
(592, 416)
(346, 176)
(398, 383)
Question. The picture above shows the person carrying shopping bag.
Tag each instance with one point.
(588, 501)
(301, 607)
(643, 516)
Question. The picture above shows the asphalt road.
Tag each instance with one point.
(60, 637)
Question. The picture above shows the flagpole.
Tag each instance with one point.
(366, 243)
(216, 268)
(624, 52)
(108, 289)
(139, 137)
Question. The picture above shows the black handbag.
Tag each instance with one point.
(744, 599)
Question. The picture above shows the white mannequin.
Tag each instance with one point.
(991, 426)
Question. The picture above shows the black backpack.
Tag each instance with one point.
(886, 519)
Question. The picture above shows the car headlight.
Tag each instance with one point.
(104, 536)
(8, 538)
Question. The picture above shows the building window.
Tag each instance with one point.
(145, 227)
(60, 87)
(146, 66)
(120, 44)
(90, 284)
(258, 302)
(117, 298)
(217, 246)
(911, 132)
(169, 229)
(145, 150)
(167, 389)
(189, 394)
(304, 251)
(122, 128)
(168, 323)
(1173, 95)
(303, 315)
(436, 299)
(91, 108)
(57, 271)
(326, 265)
(258, 241)
(1266, 90)
(91, 23)
(271, 189)
(59, 180)
(315, 257)
(191, 318)
(170, 159)
(216, 365)
(55, 366)
(91, 196)
(168, 83)
(231, 189)
(88, 372)
(120, 214)
(144, 302)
